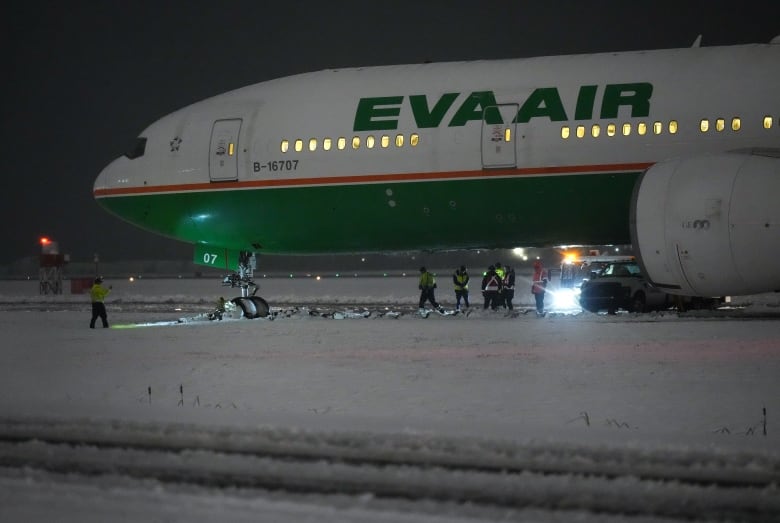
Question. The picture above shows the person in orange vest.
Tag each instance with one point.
(97, 294)
(539, 286)
(491, 288)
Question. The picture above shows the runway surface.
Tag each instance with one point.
(696, 393)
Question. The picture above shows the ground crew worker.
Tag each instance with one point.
(539, 285)
(461, 282)
(500, 272)
(97, 294)
(508, 286)
(491, 288)
(426, 286)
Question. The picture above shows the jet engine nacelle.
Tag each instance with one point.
(710, 225)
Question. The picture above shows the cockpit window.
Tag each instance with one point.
(137, 148)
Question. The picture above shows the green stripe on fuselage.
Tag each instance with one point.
(425, 215)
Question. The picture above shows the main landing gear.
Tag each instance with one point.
(252, 306)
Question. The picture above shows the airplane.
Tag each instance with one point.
(674, 151)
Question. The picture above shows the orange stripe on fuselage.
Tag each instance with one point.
(372, 178)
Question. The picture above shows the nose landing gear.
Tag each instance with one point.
(252, 306)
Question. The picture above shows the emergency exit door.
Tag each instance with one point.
(499, 136)
(223, 153)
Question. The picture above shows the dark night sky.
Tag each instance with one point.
(82, 78)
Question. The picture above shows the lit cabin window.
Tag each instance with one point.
(657, 127)
(356, 142)
(704, 125)
(414, 140)
(508, 134)
(285, 146)
(341, 143)
(767, 122)
(385, 141)
(673, 127)
(298, 145)
(595, 131)
(611, 129)
(327, 144)
(641, 128)
(370, 141)
(565, 132)
(312, 144)
(626, 129)
(399, 140)
(720, 124)
(736, 124)
(580, 131)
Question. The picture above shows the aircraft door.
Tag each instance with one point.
(499, 136)
(223, 152)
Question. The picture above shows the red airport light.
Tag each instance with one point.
(45, 241)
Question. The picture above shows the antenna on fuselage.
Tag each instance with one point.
(697, 42)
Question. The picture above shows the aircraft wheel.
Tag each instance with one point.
(248, 307)
(261, 306)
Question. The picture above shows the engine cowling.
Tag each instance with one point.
(710, 225)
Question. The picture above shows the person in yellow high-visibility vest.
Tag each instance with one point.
(97, 294)
(461, 282)
(426, 286)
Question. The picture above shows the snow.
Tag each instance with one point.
(612, 385)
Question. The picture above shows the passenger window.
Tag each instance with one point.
(327, 143)
(611, 129)
(399, 140)
(342, 143)
(626, 129)
(356, 142)
(673, 127)
(414, 139)
(657, 127)
(565, 132)
(285, 146)
(704, 125)
(736, 124)
(312, 144)
(580, 131)
(298, 145)
(370, 142)
(720, 124)
(642, 128)
(767, 122)
(385, 141)
(595, 131)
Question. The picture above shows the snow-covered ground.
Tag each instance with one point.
(617, 384)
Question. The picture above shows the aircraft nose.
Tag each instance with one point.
(100, 181)
(112, 177)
